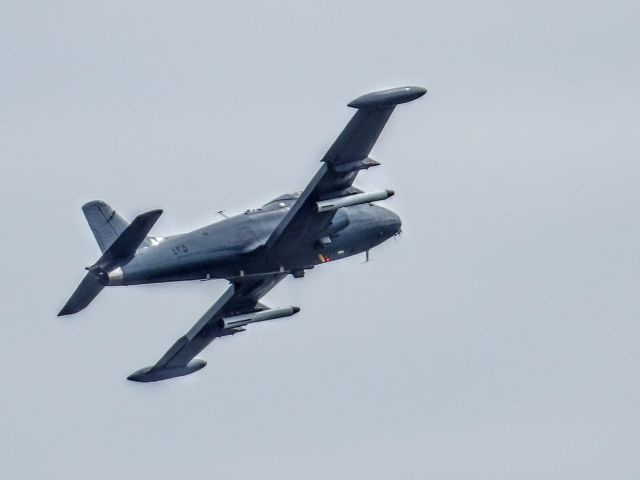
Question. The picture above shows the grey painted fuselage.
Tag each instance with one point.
(330, 219)
(231, 248)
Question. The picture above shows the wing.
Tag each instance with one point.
(225, 317)
(340, 165)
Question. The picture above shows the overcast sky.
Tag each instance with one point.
(498, 339)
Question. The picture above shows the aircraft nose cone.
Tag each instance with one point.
(392, 223)
(396, 223)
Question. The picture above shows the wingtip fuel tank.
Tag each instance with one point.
(387, 98)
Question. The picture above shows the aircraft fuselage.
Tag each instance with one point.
(231, 248)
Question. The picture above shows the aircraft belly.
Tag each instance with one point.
(192, 265)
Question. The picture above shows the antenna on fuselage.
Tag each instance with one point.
(221, 212)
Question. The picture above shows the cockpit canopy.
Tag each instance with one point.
(282, 201)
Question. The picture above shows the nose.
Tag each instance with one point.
(391, 222)
(395, 222)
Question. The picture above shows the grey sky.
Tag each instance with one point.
(497, 340)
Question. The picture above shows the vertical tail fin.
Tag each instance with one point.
(105, 223)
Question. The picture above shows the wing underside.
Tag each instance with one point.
(241, 298)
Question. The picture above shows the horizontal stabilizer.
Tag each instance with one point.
(131, 238)
(88, 289)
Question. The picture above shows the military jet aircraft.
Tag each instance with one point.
(329, 220)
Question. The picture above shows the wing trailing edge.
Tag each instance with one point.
(130, 239)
